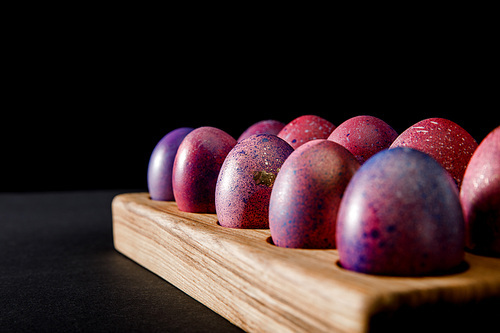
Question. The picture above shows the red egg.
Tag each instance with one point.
(442, 139)
(196, 168)
(246, 180)
(306, 128)
(364, 136)
(262, 127)
(480, 196)
(307, 193)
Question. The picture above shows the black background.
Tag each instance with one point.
(89, 95)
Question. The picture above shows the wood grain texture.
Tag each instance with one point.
(262, 288)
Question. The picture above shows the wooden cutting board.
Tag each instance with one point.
(260, 287)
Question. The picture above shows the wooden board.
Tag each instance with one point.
(263, 288)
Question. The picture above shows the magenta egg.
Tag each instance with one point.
(401, 215)
(307, 193)
(304, 129)
(246, 180)
(364, 136)
(442, 139)
(161, 164)
(480, 196)
(262, 127)
(196, 168)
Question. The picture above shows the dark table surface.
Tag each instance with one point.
(59, 271)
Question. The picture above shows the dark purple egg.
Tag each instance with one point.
(307, 194)
(161, 164)
(246, 180)
(196, 168)
(262, 127)
(448, 143)
(401, 216)
(306, 128)
(480, 196)
(364, 136)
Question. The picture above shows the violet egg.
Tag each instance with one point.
(161, 164)
(307, 193)
(306, 128)
(196, 168)
(262, 127)
(480, 196)
(401, 215)
(442, 139)
(364, 136)
(246, 180)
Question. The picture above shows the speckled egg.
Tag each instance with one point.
(364, 136)
(307, 193)
(246, 180)
(161, 164)
(480, 197)
(306, 128)
(401, 215)
(262, 127)
(196, 168)
(442, 139)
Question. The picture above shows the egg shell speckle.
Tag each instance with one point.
(480, 196)
(246, 179)
(364, 136)
(196, 168)
(307, 194)
(161, 164)
(306, 128)
(262, 127)
(442, 139)
(401, 216)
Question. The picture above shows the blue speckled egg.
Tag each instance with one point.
(307, 194)
(246, 179)
(401, 215)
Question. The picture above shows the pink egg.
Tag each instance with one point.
(307, 194)
(196, 168)
(262, 127)
(246, 180)
(480, 196)
(442, 139)
(306, 128)
(364, 136)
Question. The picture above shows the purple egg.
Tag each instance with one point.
(196, 168)
(161, 164)
(262, 127)
(364, 136)
(307, 194)
(480, 197)
(246, 180)
(401, 215)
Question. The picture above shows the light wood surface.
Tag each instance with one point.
(263, 288)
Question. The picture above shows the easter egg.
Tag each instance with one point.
(442, 139)
(262, 127)
(480, 196)
(307, 193)
(196, 168)
(306, 128)
(401, 215)
(161, 163)
(246, 179)
(364, 136)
